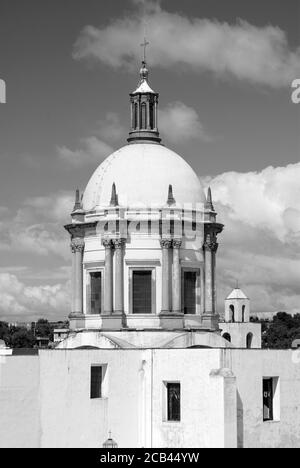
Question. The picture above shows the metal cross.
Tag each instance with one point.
(145, 44)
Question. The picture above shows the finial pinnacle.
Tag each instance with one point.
(78, 200)
(114, 197)
(144, 73)
(209, 203)
(171, 200)
(145, 45)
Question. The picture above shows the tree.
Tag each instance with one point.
(281, 333)
(44, 329)
(4, 332)
(22, 338)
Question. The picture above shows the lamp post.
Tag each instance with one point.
(110, 443)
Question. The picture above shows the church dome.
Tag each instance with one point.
(142, 174)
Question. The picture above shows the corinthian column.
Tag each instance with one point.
(119, 275)
(176, 286)
(77, 248)
(210, 247)
(165, 306)
(108, 277)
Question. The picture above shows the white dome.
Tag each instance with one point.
(142, 174)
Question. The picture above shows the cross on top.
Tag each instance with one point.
(144, 45)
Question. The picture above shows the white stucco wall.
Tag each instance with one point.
(19, 402)
(45, 400)
(239, 331)
(250, 366)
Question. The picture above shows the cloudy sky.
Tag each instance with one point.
(224, 71)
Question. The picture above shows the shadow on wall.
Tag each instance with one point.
(240, 422)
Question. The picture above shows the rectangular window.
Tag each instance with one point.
(189, 292)
(271, 399)
(96, 286)
(173, 401)
(142, 292)
(96, 382)
(268, 399)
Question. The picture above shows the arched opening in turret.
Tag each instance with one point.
(135, 116)
(243, 313)
(232, 313)
(227, 337)
(144, 116)
(249, 340)
(151, 116)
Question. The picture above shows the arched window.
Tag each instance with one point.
(243, 313)
(249, 340)
(144, 116)
(151, 116)
(232, 316)
(135, 119)
(227, 337)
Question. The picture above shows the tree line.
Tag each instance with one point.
(21, 337)
(280, 332)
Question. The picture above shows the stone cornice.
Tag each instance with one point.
(78, 230)
(213, 228)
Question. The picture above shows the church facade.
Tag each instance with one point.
(147, 357)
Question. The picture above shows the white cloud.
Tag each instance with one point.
(20, 301)
(179, 122)
(37, 228)
(93, 151)
(260, 245)
(266, 200)
(259, 55)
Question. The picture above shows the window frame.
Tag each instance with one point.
(103, 384)
(153, 290)
(100, 390)
(87, 288)
(101, 292)
(275, 416)
(165, 405)
(198, 290)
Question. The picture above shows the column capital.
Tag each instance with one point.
(107, 243)
(211, 243)
(118, 243)
(165, 243)
(177, 243)
(77, 246)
